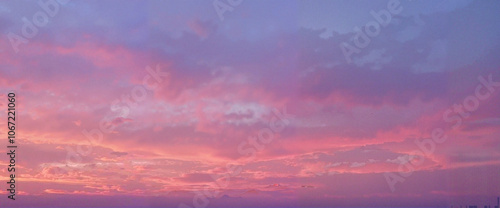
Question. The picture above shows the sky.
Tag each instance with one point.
(265, 103)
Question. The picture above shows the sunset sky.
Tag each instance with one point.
(175, 104)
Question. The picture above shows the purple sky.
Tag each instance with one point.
(287, 93)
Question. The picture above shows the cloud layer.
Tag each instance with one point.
(219, 84)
